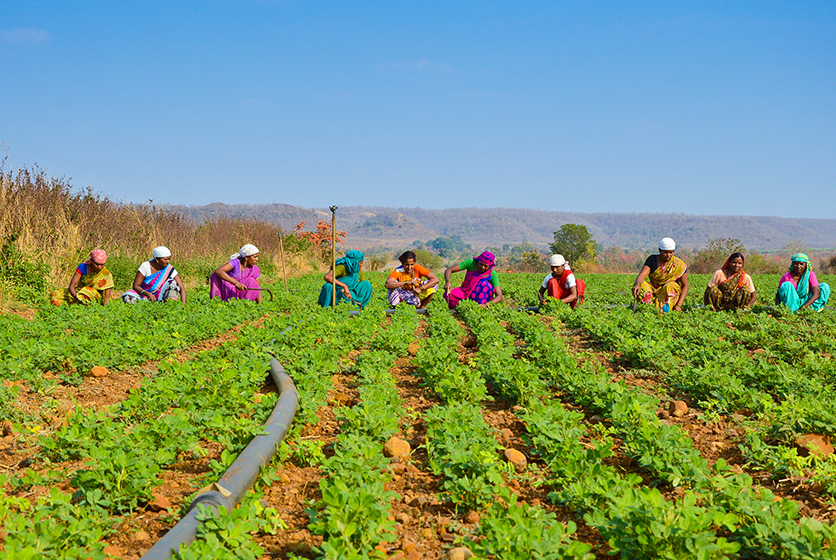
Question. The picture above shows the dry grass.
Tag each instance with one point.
(53, 224)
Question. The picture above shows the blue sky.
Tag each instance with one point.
(704, 108)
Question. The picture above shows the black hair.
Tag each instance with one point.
(406, 256)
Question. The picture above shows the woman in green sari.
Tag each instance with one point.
(90, 283)
(663, 280)
(799, 288)
(350, 282)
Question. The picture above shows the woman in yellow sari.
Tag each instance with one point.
(663, 280)
(90, 283)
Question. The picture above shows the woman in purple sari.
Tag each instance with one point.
(237, 279)
(481, 283)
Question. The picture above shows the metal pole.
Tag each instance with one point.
(284, 270)
(333, 256)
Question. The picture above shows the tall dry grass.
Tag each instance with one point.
(54, 224)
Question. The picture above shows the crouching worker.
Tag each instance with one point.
(561, 283)
(156, 280)
(411, 283)
(350, 281)
(799, 288)
(91, 282)
(480, 284)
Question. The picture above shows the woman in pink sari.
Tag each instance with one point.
(237, 279)
(481, 283)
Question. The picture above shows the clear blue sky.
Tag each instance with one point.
(710, 108)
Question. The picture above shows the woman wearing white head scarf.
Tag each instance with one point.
(237, 279)
(663, 280)
(156, 280)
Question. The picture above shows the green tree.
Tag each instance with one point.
(574, 242)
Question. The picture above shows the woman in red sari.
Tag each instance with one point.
(730, 287)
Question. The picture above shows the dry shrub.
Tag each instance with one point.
(52, 224)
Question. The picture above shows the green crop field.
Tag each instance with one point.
(610, 430)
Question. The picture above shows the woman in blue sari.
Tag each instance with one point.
(156, 280)
(799, 288)
(350, 281)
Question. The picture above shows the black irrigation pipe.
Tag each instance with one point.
(230, 489)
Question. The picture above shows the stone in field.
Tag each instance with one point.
(396, 447)
(8, 430)
(413, 348)
(99, 371)
(815, 444)
(678, 409)
(458, 553)
(517, 459)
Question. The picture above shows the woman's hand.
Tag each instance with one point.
(239, 285)
(148, 295)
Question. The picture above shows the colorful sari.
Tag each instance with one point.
(476, 285)
(225, 291)
(795, 296)
(350, 275)
(661, 287)
(730, 294)
(161, 283)
(89, 289)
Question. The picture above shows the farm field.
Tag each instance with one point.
(607, 431)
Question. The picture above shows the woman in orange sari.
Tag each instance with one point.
(663, 280)
(730, 287)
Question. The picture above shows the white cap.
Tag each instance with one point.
(667, 244)
(161, 252)
(557, 260)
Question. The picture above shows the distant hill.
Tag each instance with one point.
(482, 227)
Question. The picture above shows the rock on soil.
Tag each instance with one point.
(458, 553)
(677, 409)
(396, 447)
(517, 459)
(815, 444)
(99, 371)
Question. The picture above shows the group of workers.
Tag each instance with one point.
(157, 280)
(662, 281)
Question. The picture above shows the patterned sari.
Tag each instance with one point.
(161, 283)
(661, 287)
(729, 294)
(89, 289)
(476, 285)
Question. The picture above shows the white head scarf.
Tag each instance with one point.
(161, 252)
(247, 250)
(667, 244)
(557, 260)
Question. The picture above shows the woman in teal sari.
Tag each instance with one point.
(351, 284)
(799, 288)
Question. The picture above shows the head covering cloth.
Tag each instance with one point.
(741, 273)
(97, 256)
(487, 258)
(247, 250)
(667, 244)
(161, 252)
(351, 261)
(557, 260)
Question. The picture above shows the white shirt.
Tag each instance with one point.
(570, 281)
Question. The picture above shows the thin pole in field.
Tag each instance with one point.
(284, 270)
(333, 256)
